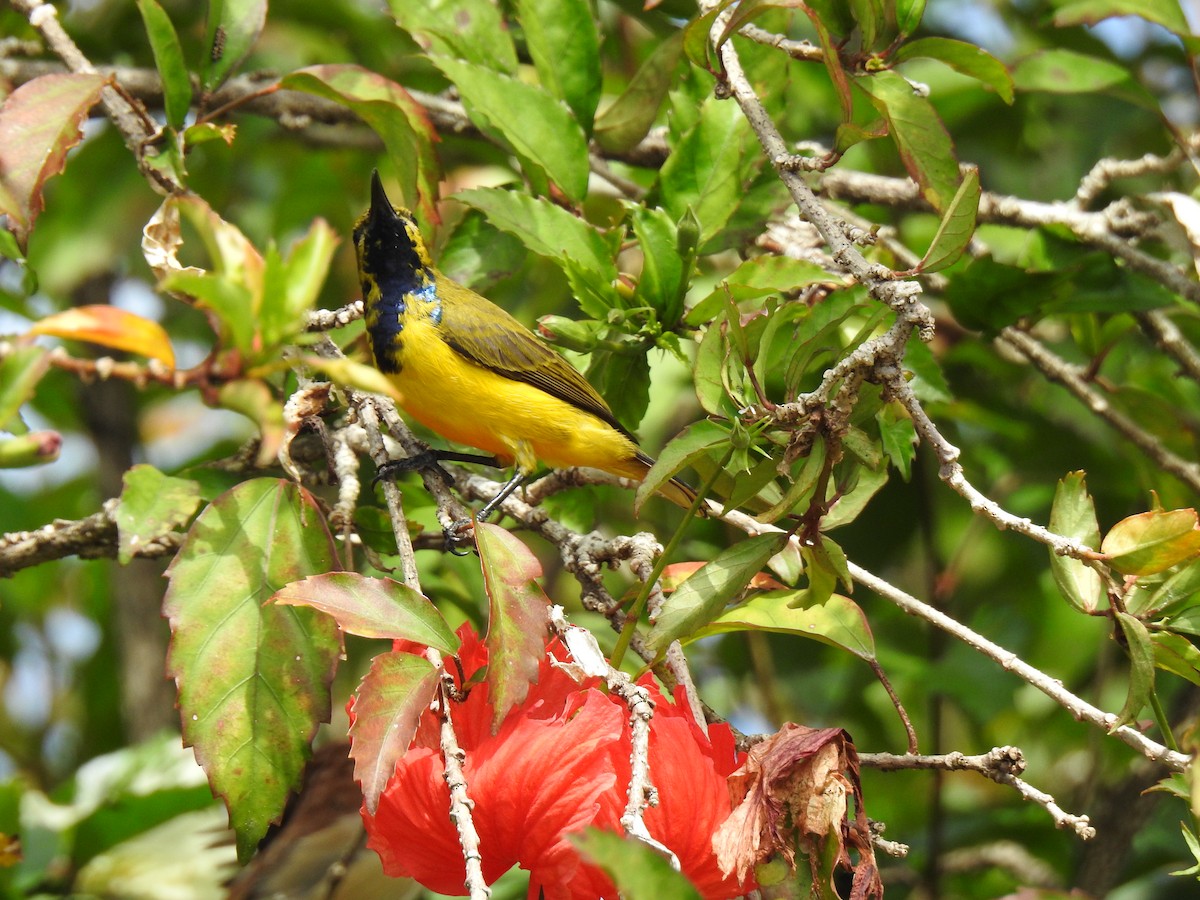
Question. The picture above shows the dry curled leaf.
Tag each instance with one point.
(796, 787)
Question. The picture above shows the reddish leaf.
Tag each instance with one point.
(373, 607)
(39, 123)
(110, 327)
(386, 709)
(922, 140)
(519, 611)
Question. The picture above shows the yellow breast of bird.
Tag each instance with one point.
(519, 423)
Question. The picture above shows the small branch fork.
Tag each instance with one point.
(1002, 765)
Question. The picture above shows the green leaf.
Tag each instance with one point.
(233, 28)
(697, 44)
(387, 708)
(20, 372)
(1060, 71)
(832, 19)
(1150, 542)
(922, 140)
(291, 286)
(1073, 515)
(681, 451)
(1174, 592)
(802, 484)
(539, 127)
(987, 295)
(964, 58)
(168, 59)
(1193, 846)
(152, 505)
(899, 437)
(624, 380)
(373, 608)
(253, 679)
(837, 620)
(639, 870)
(549, 230)
(663, 282)
(709, 372)
(39, 123)
(471, 30)
(1176, 654)
(562, 39)
(957, 226)
(760, 276)
(707, 171)
(908, 15)
(1141, 675)
(704, 595)
(851, 503)
(392, 113)
(622, 124)
(519, 613)
(231, 303)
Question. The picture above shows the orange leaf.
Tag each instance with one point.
(110, 327)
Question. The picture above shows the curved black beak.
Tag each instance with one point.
(381, 206)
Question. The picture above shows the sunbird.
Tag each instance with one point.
(469, 371)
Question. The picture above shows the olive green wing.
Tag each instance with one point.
(488, 336)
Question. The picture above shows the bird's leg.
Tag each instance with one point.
(505, 492)
(430, 459)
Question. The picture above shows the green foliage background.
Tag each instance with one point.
(60, 637)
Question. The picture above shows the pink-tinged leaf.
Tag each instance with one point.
(518, 614)
(39, 123)
(373, 607)
(1152, 542)
(391, 112)
(386, 709)
(253, 678)
(833, 63)
(110, 327)
(33, 448)
(922, 140)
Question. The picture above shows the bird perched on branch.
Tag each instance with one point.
(469, 371)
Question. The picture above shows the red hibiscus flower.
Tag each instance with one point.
(558, 765)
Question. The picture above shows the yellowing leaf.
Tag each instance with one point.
(110, 327)
(1152, 541)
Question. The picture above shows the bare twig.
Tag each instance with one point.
(1051, 687)
(1166, 334)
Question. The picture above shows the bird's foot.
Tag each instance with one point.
(458, 535)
